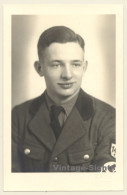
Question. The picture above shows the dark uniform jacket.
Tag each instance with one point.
(85, 143)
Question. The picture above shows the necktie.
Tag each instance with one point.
(55, 111)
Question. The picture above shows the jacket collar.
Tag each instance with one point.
(84, 104)
(36, 103)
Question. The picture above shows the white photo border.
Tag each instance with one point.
(50, 181)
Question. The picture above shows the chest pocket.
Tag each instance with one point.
(81, 158)
(33, 152)
(35, 159)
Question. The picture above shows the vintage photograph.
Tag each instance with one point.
(65, 128)
(64, 96)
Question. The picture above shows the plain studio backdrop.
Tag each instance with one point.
(98, 32)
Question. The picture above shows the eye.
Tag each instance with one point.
(76, 64)
(55, 64)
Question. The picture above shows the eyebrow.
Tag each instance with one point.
(76, 60)
(63, 60)
(56, 60)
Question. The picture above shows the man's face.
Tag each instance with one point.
(63, 66)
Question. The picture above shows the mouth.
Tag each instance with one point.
(66, 85)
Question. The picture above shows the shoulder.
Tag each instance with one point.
(104, 117)
(100, 105)
(30, 105)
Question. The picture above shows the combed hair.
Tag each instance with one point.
(58, 34)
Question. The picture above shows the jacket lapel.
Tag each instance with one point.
(40, 127)
(72, 131)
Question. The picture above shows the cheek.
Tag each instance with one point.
(51, 78)
(50, 72)
(79, 74)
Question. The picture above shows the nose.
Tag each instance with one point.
(66, 72)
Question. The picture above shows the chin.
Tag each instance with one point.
(66, 94)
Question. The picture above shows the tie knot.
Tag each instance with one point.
(56, 110)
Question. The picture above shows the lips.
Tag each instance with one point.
(66, 85)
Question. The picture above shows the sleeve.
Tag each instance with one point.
(105, 152)
(16, 155)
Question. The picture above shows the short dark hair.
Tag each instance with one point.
(58, 34)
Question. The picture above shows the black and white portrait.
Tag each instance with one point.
(65, 129)
(64, 95)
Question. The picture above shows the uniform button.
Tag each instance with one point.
(55, 158)
(27, 151)
(86, 156)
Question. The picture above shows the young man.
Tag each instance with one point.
(65, 129)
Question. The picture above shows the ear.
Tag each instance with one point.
(38, 68)
(85, 65)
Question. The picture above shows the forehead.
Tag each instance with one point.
(68, 50)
